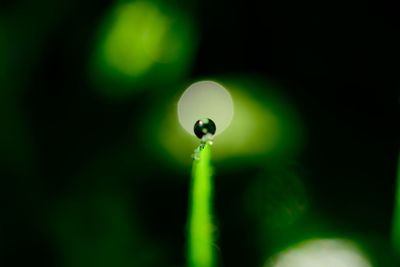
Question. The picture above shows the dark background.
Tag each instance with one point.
(61, 143)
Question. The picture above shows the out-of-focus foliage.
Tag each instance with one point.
(142, 44)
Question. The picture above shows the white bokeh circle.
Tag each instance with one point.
(205, 99)
(322, 252)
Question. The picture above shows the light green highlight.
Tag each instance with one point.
(141, 44)
(200, 236)
(396, 215)
(135, 40)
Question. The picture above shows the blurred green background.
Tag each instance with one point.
(95, 168)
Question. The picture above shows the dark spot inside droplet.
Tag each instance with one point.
(203, 127)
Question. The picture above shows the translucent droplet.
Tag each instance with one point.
(203, 127)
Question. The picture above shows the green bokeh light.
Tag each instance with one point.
(142, 43)
(132, 54)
